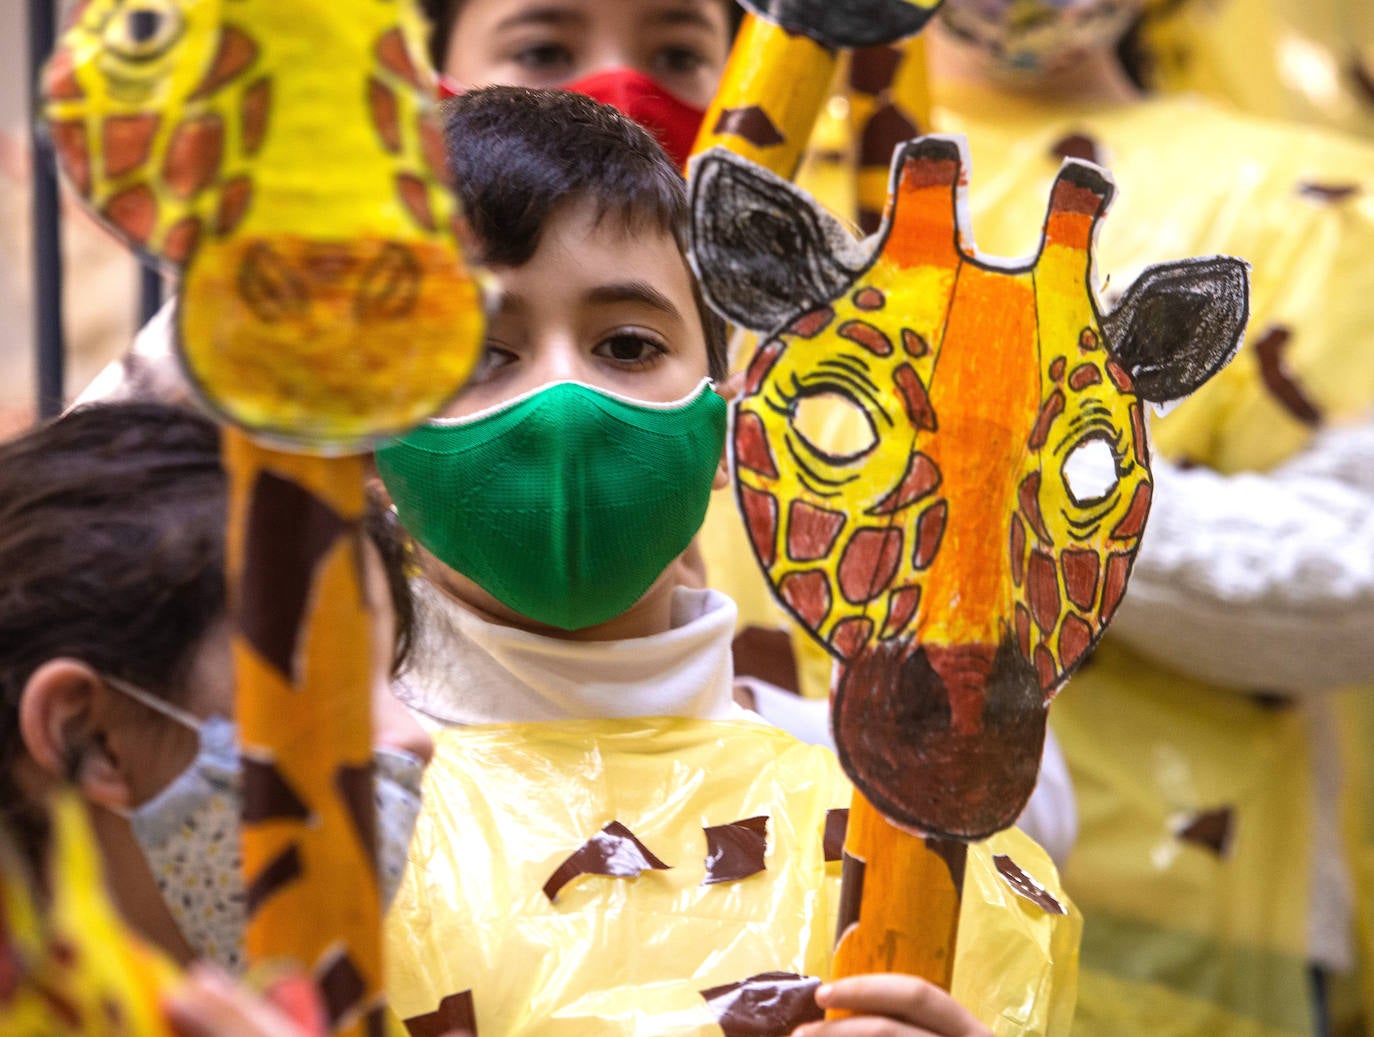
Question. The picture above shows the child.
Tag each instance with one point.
(658, 61)
(587, 731)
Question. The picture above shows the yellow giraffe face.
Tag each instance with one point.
(941, 458)
(287, 157)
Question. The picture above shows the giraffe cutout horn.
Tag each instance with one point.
(1080, 196)
(924, 211)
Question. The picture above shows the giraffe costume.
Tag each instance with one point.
(286, 159)
(962, 557)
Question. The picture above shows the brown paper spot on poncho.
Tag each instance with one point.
(1328, 192)
(1210, 829)
(1279, 380)
(766, 1005)
(735, 851)
(342, 987)
(1025, 886)
(1077, 145)
(456, 1013)
(836, 827)
(613, 851)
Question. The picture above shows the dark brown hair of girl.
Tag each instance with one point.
(112, 526)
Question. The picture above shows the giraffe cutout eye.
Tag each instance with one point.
(143, 30)
(836, 420)
(1090, 471)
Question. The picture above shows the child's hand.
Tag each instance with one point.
(210, 1004)
(892, 1006)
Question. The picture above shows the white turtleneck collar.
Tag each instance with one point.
(467, 670)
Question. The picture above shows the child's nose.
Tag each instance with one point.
(558, 359)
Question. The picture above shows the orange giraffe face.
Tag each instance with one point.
(941, 458)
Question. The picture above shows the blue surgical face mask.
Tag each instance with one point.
(189, 832)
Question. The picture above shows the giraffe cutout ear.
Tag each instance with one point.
(762, 249)
(1179, 324)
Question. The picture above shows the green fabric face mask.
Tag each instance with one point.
(565, 504)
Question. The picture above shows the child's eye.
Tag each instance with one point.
(493, 358)
(544, 58)
(630, 349)
(678, 60)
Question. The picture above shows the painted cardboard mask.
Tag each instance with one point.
(287, 158)
(961, 548)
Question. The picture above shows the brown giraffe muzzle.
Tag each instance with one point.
(944, 739)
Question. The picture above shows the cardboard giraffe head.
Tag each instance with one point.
(964, 543)
(286, 157)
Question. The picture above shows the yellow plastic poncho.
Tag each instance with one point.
(472, 927)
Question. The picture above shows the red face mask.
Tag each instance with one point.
(673, 122)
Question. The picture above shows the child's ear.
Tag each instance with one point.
(60, 723)
(728, 391)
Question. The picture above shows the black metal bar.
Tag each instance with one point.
(50, 351)
(149, 291)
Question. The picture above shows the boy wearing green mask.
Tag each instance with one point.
(610, 844)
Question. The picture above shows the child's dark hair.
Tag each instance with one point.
(518, 154)
(112, 524)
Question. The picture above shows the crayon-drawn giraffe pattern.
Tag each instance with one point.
(961, 554)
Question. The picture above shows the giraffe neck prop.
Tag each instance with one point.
(963, 554)
(285, 158)
(781, 66)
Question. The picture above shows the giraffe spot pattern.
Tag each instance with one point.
(1045, 668)
(342, 986)
(1075, 637)
(455, 1012)
(866, 335)
(809, 325)
(276, 875)
(1028, 496)
(751, 445)
(761, 519)
(1083, 376)
(885, 129)
(180, 242)
(1138, 432)
(69, 141)
(432, 148)
(1023, 630)
(353, 783)
(922, 478)
(811, 531)
(759, 367)
(193, 156)
(914, 344)
(393, 55)
(1133, 522)
(384, 111)
(930, 531)
(869, 298)
(59, 78)
(1018, 551)
(234, 201)
(254, 116)
(1088, 340)
(874, 69)
(133, 211)
(1081, 570)
(850, 635)
(750, 123)
(1057, 369)
(870, 561)
(914, 397)
(1049, 413)
(1114, 586)
(128, 139)
(414, 195)
(267, 795)
(901, 607)
(1119, 377)
(1042, 585)
(808, 595)
(235, 53)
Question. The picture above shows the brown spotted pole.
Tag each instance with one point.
(780, 71)
(889, 104)
(286, 159)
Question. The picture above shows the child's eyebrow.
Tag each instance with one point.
(632, 291)
(549, 14)
(684, 15)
